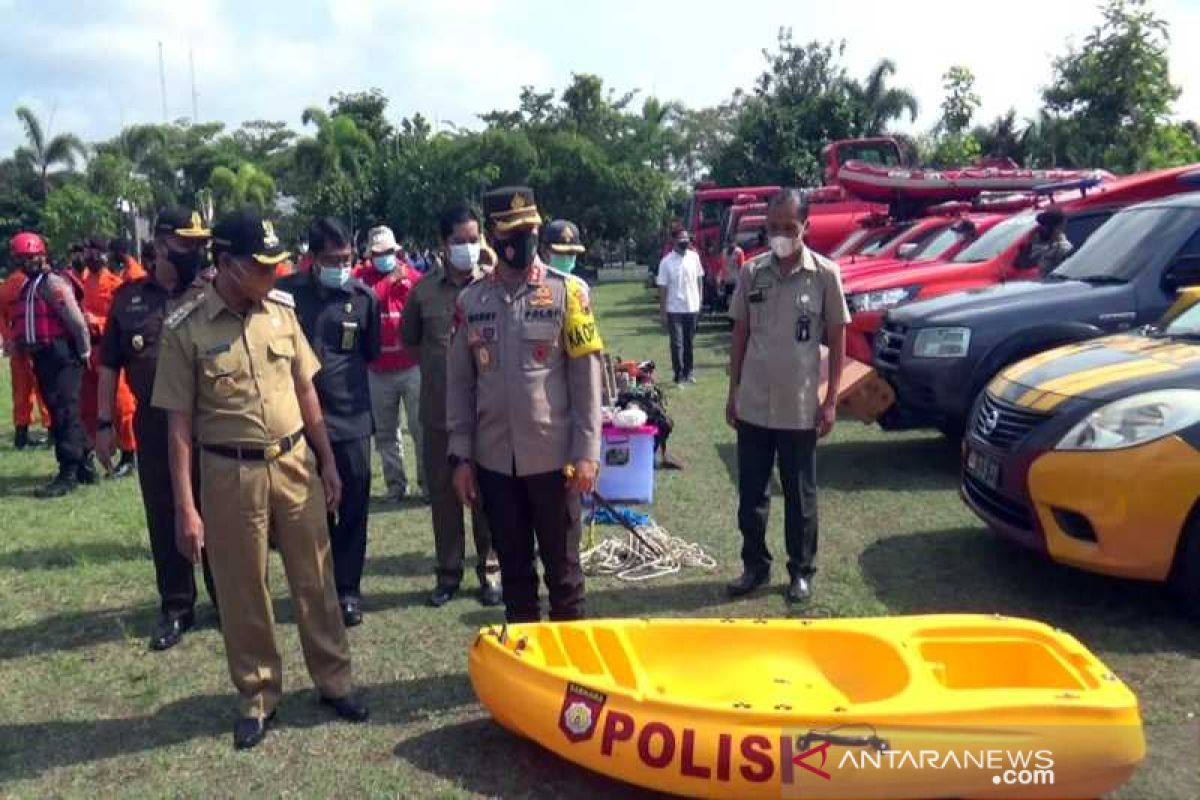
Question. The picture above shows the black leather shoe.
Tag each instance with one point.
(442, 595)
(61, 485)
(169, 631)
(249, 731)
(86, 474)
(347, 708)
(125, 466)
(799, 590)
(351, 612)
(490, 594)
(746, 583)
(21, 437)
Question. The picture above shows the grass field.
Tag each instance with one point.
(85, 709)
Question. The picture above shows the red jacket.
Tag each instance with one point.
(392, 290)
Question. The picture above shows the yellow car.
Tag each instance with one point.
(1090, 453)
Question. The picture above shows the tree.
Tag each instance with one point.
(247, 185)
(368, 110)
(877, 104)
(1114, 92)
(801, 101)
(336, 162)
(960, 102)
(1003, 138)
(72, 212)
(260, 139)
(42, 153)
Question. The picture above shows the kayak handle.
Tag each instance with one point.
(805, 742)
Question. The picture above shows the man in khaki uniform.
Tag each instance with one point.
(785, 302)
(235, 372)
(425, 329)
(523, 404)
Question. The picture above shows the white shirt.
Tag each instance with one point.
(680, 275)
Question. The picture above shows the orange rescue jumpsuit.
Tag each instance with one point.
(98, 289)
(24, 385)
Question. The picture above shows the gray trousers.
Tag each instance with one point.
(449, 530)
(388, 391)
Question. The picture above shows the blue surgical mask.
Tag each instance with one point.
(385, 263)
(333, 277)
(563, 262)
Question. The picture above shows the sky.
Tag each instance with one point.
(92, 67)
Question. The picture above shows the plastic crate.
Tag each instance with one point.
(627, 464)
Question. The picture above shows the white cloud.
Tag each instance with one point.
(96, 65)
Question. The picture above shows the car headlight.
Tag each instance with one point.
(942, 342)
(881, 300)
(1135, 420)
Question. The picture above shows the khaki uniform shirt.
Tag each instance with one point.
(781, 374)
(1046, 255)
(234, 373)
(524, 374)
(425, 329)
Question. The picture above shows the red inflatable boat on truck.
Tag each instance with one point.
(885, 184)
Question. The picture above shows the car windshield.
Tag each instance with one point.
(883, 240)
(1129, 241)
(937, 245)
(1186, 324)
(850, 243)
(997, 240)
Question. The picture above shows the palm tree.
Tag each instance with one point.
(248, 185)
(876, 103)
(657, 136)
(339, 148)
(41, 155)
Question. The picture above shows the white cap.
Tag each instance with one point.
(382, 240)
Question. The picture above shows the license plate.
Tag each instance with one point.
(984, 467)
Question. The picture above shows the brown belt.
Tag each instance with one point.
(268, 453)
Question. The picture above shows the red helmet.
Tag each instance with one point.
(27, 244)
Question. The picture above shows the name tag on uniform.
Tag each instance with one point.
(349, 334)
(757, 296)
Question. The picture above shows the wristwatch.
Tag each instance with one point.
(104, 424)
(456, 459)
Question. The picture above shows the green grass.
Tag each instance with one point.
(84, 707)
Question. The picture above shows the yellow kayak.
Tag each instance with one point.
(947, 706)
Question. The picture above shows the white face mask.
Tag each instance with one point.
(784, 246)
(464, 257)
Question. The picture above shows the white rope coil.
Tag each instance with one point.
(632, 560)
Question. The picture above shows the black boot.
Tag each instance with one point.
(86, 473)
(64, 483)
(21, 437)
(125, 466)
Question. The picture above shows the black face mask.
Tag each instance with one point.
(523, 249)
(186, 264)
(681, 247)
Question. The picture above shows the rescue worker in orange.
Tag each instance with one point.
(123, 262)
(99, 286)
(48, 327)
(25, 395)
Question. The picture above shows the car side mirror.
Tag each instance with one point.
(907, 250)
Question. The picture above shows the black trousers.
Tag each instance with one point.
(682, 328)
(59, 373)
(176, 575)
(348, 530)
(524, 510)
(756, 452)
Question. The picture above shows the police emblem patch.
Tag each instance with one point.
(137, 342)
(518, 202)
(580, 712)
(542, 296)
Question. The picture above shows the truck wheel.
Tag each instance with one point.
(1185, 574)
